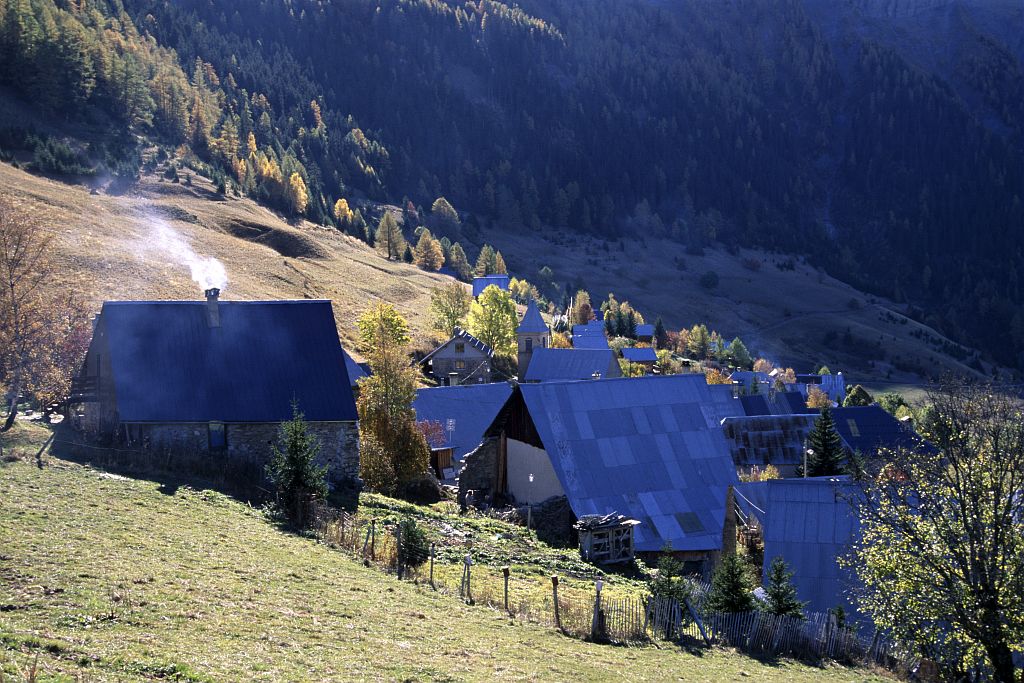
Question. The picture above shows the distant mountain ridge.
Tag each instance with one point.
(882, 139)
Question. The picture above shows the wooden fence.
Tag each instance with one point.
(622, 620)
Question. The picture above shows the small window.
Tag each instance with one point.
(460, 365)
(529, 345)
(460, 347)
(544, 342)
(853, 427)
(218, 437)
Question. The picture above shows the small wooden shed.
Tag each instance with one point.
(606, 539)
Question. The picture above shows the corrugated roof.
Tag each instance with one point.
(767, 439)
(591, 342)
(650, 448)
(567, 364)
(482, 283)
(810, 522)
(645, 330)
(869, 429)
(593, 328)
(643, 354)
(473, 407)
(797, 403)
(755, 404)
(169, 365)
(532, 323)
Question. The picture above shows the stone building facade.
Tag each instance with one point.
(463, 359)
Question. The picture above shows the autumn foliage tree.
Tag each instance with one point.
(428, 254)
(449, 305)
(493, 320)
(393, 450)
(389, 240)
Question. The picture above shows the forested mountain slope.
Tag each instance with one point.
(782, 124)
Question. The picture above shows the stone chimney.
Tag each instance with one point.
(212, 307)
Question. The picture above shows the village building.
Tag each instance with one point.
(553, 365)
(776, 403)
(751, 382)
(649, 448)
(481, 283)
(462, 414)
(589, 336)
(460, 360)
(640, 356)
(209, 382)
(645, 333)
(531, 335)
(834, 386)
(810, 523)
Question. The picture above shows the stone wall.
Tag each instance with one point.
(249, 444)
(480, 471)
(477, 369)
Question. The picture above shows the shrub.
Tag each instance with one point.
(415, 548)
(297, 479)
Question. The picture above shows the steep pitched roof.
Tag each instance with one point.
(869, 429)
(532, 323)
(482, 283)
(645, 330)
(589, 336)
(466, 337)
(354, 369)
(169, 365)
(472, 407)
(567, 364)
(643, 354)
(767, 439)
(650, 448)
(810, 523)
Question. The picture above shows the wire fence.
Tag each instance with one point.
(617, 619)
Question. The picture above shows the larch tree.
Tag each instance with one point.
(389, 239)
(485, 261)
(449, 305)
(493, 320)
(582, 311)
(817, 399)
(499, 264)
(941, 553)
(298, 195)
(698, 342)
(444, 214)
(393, 451)
(458, 262)
(24, 267)
(428, 254)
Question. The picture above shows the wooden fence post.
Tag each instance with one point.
(432, 567)
(505, 571)
(398, 550)
(596, 627)
(373, 541)
(554, 590)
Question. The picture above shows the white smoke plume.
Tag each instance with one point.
(206, 271)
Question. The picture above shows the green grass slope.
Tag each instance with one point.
(107, 578)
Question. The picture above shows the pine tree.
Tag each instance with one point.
(731, 587)
(297, 479)
(782, 596)
(826, 455)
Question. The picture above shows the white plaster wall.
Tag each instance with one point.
(524, 459)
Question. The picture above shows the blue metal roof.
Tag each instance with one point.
(755, 404)
(591, 342)
(169, 365)
(810, 522)
(482, 283)
(767, 439)
(869, 429)
(473, 407)
(567, 364)
(354, 369)
(532, 323)
(645, 330)
(650, 448)
(797, 403)
(593, 328)
(643, 354)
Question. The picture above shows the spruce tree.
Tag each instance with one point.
(660, 334)
(297, 479)
(826, 456)
(782, 597)
(730, 587)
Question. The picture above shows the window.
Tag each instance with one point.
(460, 365)
(544, 342)
(529, 345)
(218, 437)
(460, 347)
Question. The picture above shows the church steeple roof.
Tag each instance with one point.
(532, 323)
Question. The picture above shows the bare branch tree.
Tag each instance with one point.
(24, 267)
